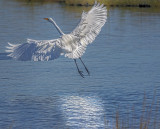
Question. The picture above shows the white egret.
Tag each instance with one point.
(72, 45)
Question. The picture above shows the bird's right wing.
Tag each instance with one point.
(36, 50)
(90, 24)
(87, 30)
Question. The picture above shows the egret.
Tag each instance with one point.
(72, 45)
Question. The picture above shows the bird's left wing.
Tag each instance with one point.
(36, 50)
(90, 24)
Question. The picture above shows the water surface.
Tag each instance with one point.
(123, 61)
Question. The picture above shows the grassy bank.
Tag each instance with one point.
(41, 1)
(132, 3)
(116, 3)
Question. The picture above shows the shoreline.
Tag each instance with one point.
(116, 3)
(109, 3)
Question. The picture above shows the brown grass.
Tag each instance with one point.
(150, 117)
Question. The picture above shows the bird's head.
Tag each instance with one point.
(49, 19)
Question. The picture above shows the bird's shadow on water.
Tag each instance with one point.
(3, 56)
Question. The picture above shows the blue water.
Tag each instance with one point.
(124, 62)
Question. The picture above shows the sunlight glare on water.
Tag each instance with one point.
(83, 112)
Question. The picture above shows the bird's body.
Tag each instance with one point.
(72, 45)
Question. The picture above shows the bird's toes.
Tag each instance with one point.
(81, 73)
(88, 73)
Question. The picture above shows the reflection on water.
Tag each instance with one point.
(83, 112)
(73, 112)
(3, 56)
(80, 8)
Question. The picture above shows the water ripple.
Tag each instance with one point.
(83, 112)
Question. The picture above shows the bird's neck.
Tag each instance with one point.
(57, 27)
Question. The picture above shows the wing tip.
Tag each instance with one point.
(97, 4)
(9, 48)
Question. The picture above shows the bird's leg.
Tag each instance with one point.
(80, 72)
(85, 66)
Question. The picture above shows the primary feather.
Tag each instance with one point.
(36, 50)
(88, 28)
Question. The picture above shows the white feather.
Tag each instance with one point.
(88, 28)
(36, 50)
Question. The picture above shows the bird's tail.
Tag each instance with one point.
(78, 52)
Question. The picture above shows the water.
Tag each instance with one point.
(123, 61)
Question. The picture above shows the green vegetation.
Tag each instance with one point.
(41, 1)
(117, 3)
(134, 3)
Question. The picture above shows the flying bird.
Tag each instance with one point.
(72, 45)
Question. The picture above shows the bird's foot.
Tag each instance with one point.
(81, 73)
(87, 71)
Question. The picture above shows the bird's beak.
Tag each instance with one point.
(45, 18)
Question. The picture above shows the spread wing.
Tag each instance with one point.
(89, 27)
(91, 24)
(36, 50)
